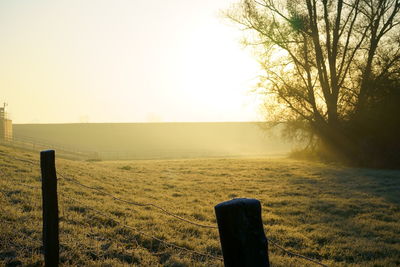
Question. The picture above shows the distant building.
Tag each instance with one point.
(6, 131)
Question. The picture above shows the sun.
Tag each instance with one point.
(217, 74)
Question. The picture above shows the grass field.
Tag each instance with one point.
(337, 215)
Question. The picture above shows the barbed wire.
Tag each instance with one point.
(21, 184)
(63, 176)
(136, 203)
(145, 234)
(295, 254)
(274, 243)
(33, 162)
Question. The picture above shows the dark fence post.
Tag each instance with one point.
(241, 233)
(50, 208)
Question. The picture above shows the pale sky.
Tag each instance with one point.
(124, 61)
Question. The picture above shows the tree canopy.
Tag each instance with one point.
(331, 71)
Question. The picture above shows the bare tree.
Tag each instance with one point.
(322, 59)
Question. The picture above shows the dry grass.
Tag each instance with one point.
(340, 216)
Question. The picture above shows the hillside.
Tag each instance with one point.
(158, 140)
(339, 216)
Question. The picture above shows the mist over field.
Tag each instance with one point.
(158, 140)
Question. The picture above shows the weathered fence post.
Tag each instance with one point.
(50, 208)
(241, 232)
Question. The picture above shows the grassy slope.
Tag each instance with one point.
(158, 140)
(341, 216)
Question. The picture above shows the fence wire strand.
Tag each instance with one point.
(33, 162)
(295, 254)
(145, 234)
(63, 176)
(178, 217)
(135, 203)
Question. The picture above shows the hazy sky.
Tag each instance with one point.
(123, 61)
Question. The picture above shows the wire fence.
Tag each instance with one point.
(37, 144)
(64, 177)
(135, 203)
(145, 234)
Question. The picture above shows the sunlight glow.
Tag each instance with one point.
(125, 61)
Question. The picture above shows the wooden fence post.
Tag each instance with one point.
(50, 208)
(241, 232)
